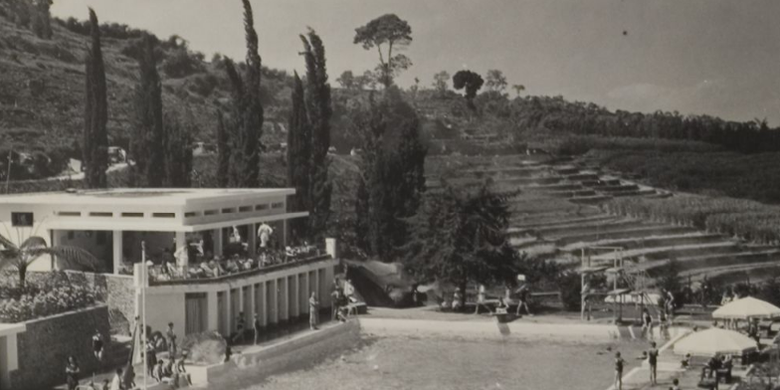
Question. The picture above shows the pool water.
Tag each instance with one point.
(446, 363)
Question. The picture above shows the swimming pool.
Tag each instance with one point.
(412, 362)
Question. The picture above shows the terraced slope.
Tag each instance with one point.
(557, 216)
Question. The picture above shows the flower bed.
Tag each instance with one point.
(51, 295)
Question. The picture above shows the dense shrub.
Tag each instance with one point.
(570, 284)
(52, 295)
(181, 63)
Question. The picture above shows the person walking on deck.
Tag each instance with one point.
(522, 297)
(652, 360)
(481, 299)
(314, 307)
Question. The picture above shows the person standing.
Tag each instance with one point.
(647, 323)
(256, 327)
(522, 297)
(72, 372)
(264, 232)
(97, 345)
(239, 328)
(652, 359)
(619, 362)
(481, 299)
(314, 307)
(171, 339)
(116, 383)
(335, 303)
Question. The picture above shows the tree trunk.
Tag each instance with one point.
(22, 277)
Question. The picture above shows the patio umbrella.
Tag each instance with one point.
(714, 341)
(745, 308)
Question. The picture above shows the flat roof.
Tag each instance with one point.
(143, 196)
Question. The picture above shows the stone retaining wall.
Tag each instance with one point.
(46, 343)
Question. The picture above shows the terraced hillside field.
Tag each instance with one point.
(558, 216)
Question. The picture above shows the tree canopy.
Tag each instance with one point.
(393, 32)
(470, 81)
(460, 237)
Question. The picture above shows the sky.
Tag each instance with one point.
(717, 57)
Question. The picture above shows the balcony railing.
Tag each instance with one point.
(259, 270)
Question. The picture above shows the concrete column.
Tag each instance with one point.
(273, 309)
(250, 314)
(261, 308)
(118, 253)
(284, 305)
(181, 241)
(228, 310)
(252, 240)
(240, 291)
(295, 300)
(306, 293)
(284, 233)
(55, 241)
(217, 238)
(212, 311)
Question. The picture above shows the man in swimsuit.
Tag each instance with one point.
(618, 371)
(522, 296)
(652, 359)
(97, 345)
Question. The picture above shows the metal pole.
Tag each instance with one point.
(144, 278)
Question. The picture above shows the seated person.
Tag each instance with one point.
(725, 369)
(249, 263)
(289, 253)
(216, 267)
(444, 305)
(457, 300)
(232, 264)
(206, 270)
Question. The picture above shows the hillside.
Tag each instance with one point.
(42, 86)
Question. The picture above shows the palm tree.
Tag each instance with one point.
(19, 257)
(519, 88)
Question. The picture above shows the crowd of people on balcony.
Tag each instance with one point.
(236, 258)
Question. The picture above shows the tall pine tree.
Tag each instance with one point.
(299, 143)
(318, 98)
(247, 114)
(95, 149)
(147, 145)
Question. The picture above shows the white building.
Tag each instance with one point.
(111, 224)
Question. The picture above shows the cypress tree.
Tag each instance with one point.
(320, 112)
(95, 152)
(178, 150)
(247, 118)
(223, 151)
(146, 147)
(392, 171)
(298, 158)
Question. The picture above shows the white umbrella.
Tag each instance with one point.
(745, 308)
(714, 341)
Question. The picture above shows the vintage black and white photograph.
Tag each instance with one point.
(389, 194)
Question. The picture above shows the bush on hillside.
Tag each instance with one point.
(181, 63)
